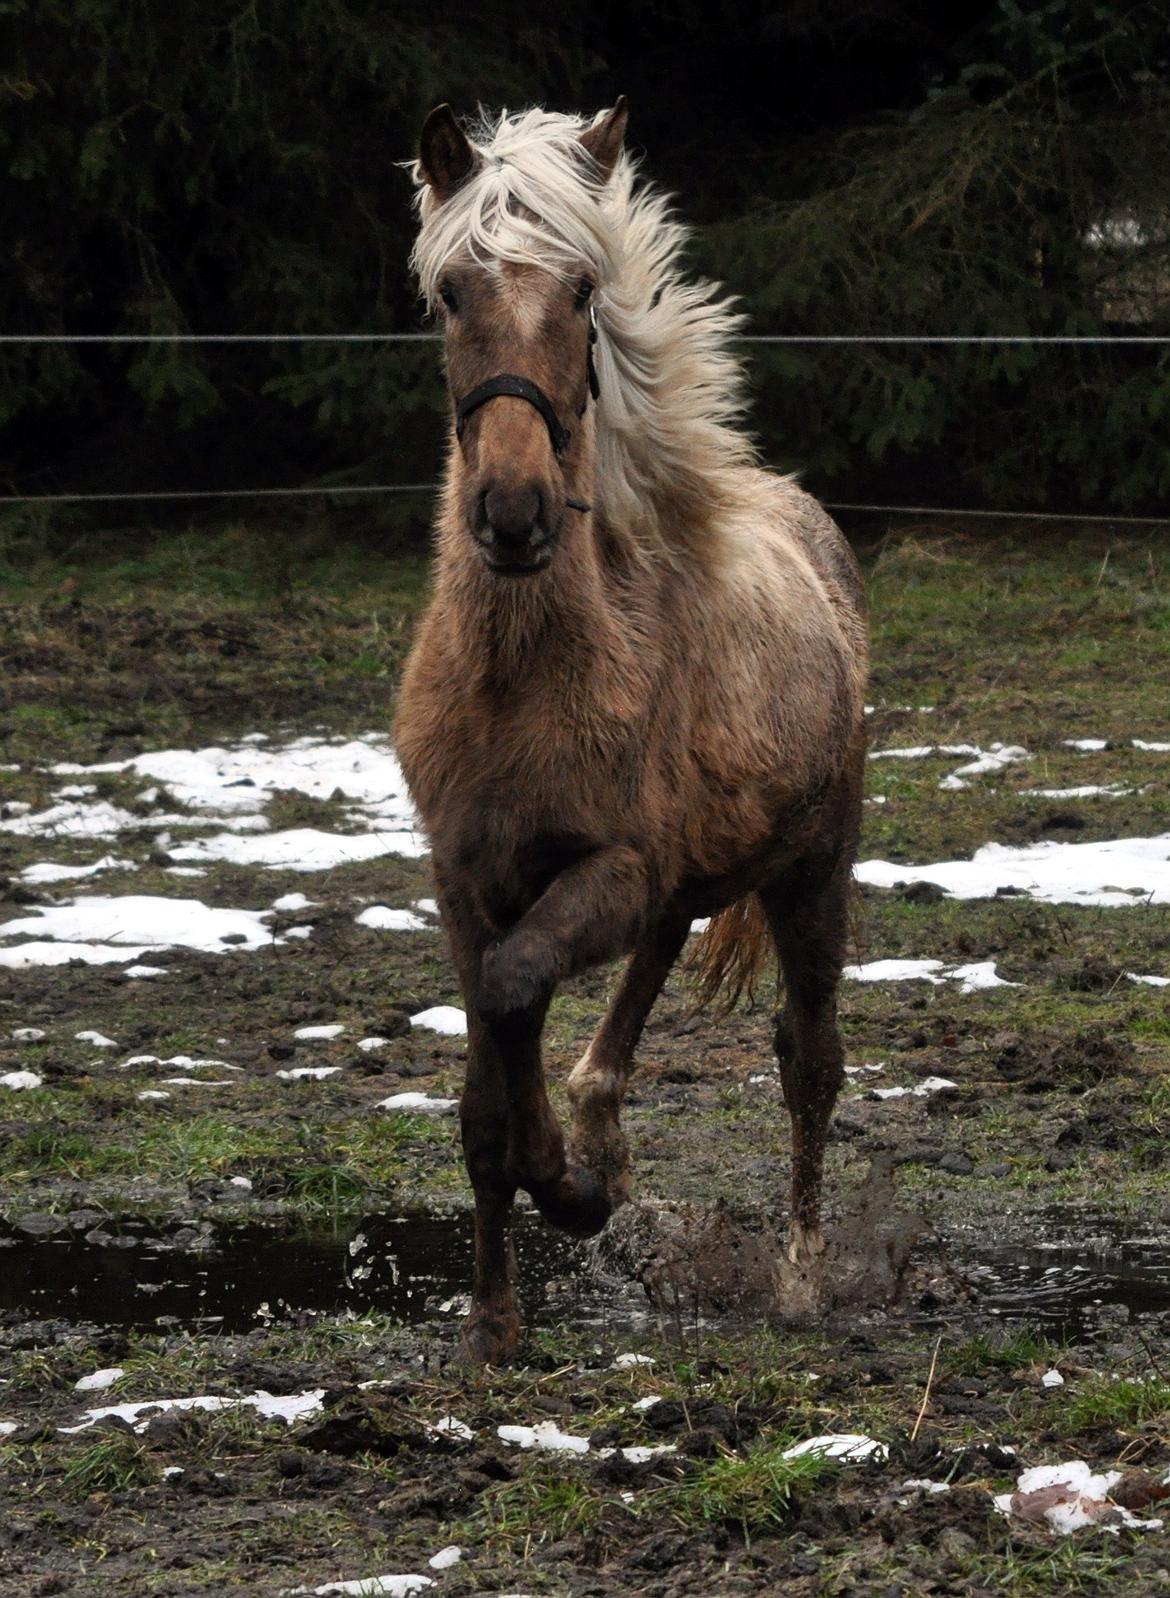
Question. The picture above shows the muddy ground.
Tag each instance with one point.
(1039, 1175)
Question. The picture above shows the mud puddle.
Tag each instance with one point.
(415, 1267)
(410, 1267)
(1073, 1275)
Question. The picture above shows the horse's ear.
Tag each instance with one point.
(445, 154)
(604, 139)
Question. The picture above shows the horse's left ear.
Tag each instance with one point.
(445, 153)
(604, 139)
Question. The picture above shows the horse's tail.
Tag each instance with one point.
(727, 957)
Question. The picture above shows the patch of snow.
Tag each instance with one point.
(627, 1361)
(244, 1183)
(850, 1446)
(979, 974)
(1153, 982)
(144, 921)
(368, 1045)
(98, 1039)
(185, 871)
(288, 1407)
(1068, 1497)
(639, 1453)
(46, 871)
(895, 971)
(139, 973)
(179, 1062)
(418, 1102)
(925, 1485)
(1087, 790)
(19, 1080)
(449, 1425)
(1115, 872)
(648, 1402)
(446, 1557)
(928, 1085)
(546, 1435)
(384, 919)
(994, 759)
(1052, 1378)
(316, 1073)
(7, 1427)
(366, 1587)
(98, 1381)
(23, 955)
(151, 1093)
(429, 907)
(302, 848)
(1151, 748)
(332, 1029)
(293, 901)
(445, 1018)
(28, 1034)
(1087, 746)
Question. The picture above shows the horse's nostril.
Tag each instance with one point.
(513, 513)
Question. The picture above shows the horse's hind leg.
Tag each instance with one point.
(597, 1083)
(808, 914)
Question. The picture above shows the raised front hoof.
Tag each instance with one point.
(578, 1204)
(490, 1337)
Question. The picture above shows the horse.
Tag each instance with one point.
(635, 697)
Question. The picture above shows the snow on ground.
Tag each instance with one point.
(994, 758)
(1115, 872)
(124, 928)
(1068, 1497)
(384, 919)
(980, 974)
(442, 1018)
(47, 871)
(301, 848)
(288, 1407)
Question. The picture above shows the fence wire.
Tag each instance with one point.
(350, 489)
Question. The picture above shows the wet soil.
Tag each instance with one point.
(204, 1244)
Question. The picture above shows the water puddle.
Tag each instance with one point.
(409, 1267)
(415, 1267)
(1074, 1274)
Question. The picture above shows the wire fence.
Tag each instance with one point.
(354, 489)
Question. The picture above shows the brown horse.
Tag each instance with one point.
(636, 696)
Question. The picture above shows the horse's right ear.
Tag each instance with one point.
(445, 154)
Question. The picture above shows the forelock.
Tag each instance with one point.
(536, 196)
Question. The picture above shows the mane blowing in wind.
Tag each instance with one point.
(671, 393)
(636, 695)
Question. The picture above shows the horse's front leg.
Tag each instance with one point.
(597, 1083)
(593, 911)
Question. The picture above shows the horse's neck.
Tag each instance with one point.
(560, 633)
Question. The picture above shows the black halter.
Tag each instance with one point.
(510, 386)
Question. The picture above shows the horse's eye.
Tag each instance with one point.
(582, 296)
(447, 295)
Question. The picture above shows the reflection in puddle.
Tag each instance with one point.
(416, 1266)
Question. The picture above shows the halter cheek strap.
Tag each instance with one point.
(509, 386)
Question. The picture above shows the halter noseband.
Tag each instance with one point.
(508, 385)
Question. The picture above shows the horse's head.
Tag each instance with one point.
(519, 336)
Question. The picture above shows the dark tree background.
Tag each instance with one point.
(850, 166)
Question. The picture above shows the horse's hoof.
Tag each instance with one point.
(578, 1203)
(805, 1244)
(490, 1337)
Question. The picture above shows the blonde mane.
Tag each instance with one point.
(669, 437)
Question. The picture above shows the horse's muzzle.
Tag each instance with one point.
(510, 526)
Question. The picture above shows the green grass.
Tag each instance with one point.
(756, 1492)
(113, 1463)
(1099, 1402)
